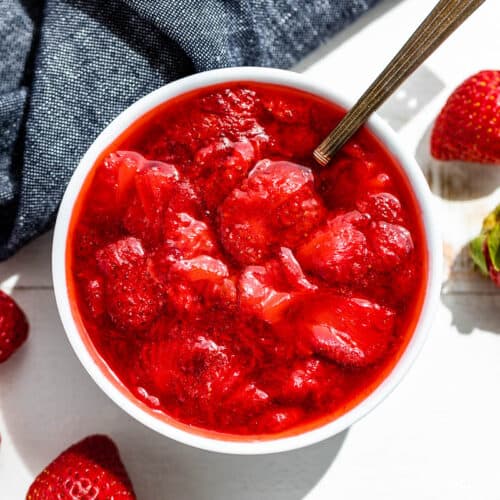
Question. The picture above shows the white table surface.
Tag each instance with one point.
(437, 436)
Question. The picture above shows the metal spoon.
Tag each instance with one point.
(443, 20)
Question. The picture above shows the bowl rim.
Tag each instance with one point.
(259, 75)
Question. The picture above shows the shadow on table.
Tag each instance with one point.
(411, 97)
(48, 402)
(196, 475)
(471, 312)
(454, 180)
(472, 299)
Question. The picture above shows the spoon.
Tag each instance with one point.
(443, 20)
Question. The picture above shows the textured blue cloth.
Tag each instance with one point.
(68, 67)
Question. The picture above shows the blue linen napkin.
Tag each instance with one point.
(68, 67)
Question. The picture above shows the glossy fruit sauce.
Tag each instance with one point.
(231, 283)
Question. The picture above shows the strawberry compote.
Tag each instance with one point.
(232, 284)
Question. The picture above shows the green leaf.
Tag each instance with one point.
(476, 252)
(491, 220)
(494, 246)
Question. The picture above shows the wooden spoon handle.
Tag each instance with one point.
(443, 20)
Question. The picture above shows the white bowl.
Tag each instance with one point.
(168, 426)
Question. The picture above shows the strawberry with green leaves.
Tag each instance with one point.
(468, 127)
(485, 249)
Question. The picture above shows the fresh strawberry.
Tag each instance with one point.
(468, 127)
(13, 327)
(90, 469)
(485, 249)
(351, 331)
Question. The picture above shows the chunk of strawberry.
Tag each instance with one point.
(341, 184)
(201, 268)
(238, 101)
(290, 110)
(221, 167)
(350, 331)
(276, 204)
(247, 399)
(184, 199)
(155, 185)
(279, 420)
(93, 291)
(212, 366)
(127, 164)
(390, 244)
(291, 141)
(258, 296)
(13, 327)
(293, 272)
(90, 237)
(232, 113)
(194, 371)
(303, 381)
(248, 239)
(404, 281)
(338, 251)
(133, 298)
(379, 183)
(159, 190)
(115, 180)
(126, 252)
(197, 284)
(190, 236)
(349, 179)
(381, 206)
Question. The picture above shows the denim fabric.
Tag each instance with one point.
(68, 67)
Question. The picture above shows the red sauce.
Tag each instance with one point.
(231, 283)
